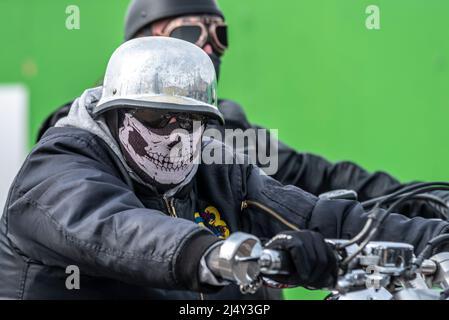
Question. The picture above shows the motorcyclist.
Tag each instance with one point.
(115, 190)
(202, 22)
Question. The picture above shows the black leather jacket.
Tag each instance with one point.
(72, 203)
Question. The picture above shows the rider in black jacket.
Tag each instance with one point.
(307, 171)
(103, 191)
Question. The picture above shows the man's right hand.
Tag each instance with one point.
(314, 261)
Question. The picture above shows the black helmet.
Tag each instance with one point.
(144, 12)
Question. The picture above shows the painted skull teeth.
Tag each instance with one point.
(165, 163)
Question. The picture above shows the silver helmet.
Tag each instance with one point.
(160, 73)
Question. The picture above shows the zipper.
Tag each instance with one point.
(170, 203)
(274, 214)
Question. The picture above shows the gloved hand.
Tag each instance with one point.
(314, 261)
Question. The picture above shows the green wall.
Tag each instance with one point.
(307, 67)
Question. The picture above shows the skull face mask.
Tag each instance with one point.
(163, 157)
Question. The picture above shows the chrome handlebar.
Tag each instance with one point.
(380, 271)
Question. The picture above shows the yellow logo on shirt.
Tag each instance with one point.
(211, 219)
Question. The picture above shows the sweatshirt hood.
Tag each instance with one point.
(80, 116)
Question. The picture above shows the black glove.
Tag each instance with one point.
(313, 260)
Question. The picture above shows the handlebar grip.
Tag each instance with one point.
(275, 262)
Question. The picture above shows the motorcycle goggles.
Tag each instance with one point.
(199, 30)
(159, 119)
